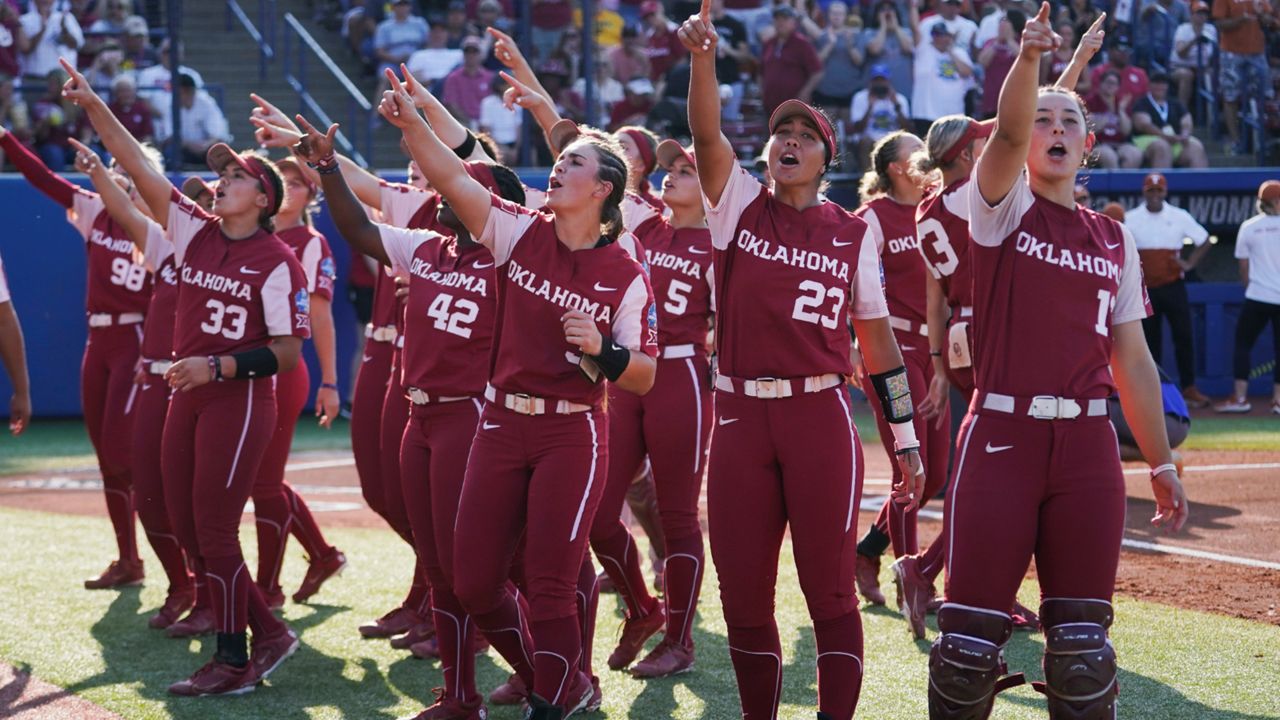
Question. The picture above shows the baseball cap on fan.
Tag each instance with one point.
(791, 108)
(221, 155)
(1154, 180)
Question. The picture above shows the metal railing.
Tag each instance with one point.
(266, 19)
(299, 50)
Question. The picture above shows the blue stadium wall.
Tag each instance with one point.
(44, 261)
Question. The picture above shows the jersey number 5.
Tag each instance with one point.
(225, 320)
(677, 297)
(813, 297)
(453, 315)
(941, 245)
(127, 274)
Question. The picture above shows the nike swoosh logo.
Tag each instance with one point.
(997, 448)
(366, 358)
(696, 251)
(247, 271)
(837, 243)
(481, 266)
(727, 421)
(146, 386)
(602, 288)
(908, 348)
(488, 426)
(1110, 246)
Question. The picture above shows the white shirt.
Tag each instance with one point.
(1186, 33)
(1165, 230)
(431, 64)
(939, 89)
(4, 286)
(1259, 242)
(884, 117)
(501, 124)
(989, 28)
(202, 121)
(962, 28)
(154, 83)
(44, 57)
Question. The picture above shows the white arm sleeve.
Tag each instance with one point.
(507, 223)
(277, 305)
(990, 225)
(311, 255)
(401, 243)
(874, 230)
(158, 249)
(1130, 297)
(628, 324)
(957, 201)
(739, 191)
(867, 291)
(635, 211)
(85, 208)
(185, 220)
(400, 202)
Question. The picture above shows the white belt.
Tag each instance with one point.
(386, 333)
(774, 388)
(676, 352)
(906, 325)
(966, 311)
(529, 405)
(158, 367)
(1045, 407)
(97, 320)
(419, 397)
(400, 342)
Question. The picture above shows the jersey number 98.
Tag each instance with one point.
(128, 275)
(225, 320)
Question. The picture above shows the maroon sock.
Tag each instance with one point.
(229, 583)
(934, 558)
(120, 510)
(757, 662)
(839, 643)
(419, 597)
(588, 597)
(304, 527)
(271, 512)
(172, 559)
(620, 557)
(262, 621)
(556, 660)
(683, 582)
(455, 634)
(508, 632)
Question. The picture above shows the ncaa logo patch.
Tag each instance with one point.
(328, 268)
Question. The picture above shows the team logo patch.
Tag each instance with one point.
(653, 324)
(302, 307)
(328, 268)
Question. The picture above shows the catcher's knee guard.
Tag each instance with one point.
(967, 661)
(1079, 662)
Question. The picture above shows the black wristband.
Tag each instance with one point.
(894, 393)
(612, 360)
(467, 147)
(257, 363)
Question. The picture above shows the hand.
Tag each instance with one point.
(402, 290)
(19, 412)
(327, 406)
(189, 373)
(271, 135)
(396, 106)
(1171, 502)
(859, 370)
(313, 146)
(1038, 35)
(519, 94)
(909, 491)
(77, 89)
(422, 97)
(697, 34)
(936, 402)
(87, 161)
(270, 113)
(1091, 42)
(580, 331)
(506, 50)
(1125, 102)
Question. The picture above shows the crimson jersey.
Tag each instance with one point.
(384, 299)
(1049, 283)
(893, 226)
(680, 272)
(541, 280)
(234, 294)
(313, 253)
(942, 224)
(406, 206)
(116, 283)
(157, 332)
(450, 312)
(786, 280)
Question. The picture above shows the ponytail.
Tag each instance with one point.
(876, 180)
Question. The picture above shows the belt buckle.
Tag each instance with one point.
(418, 397)
(1044, 407)
(521, 403)
(768, 388)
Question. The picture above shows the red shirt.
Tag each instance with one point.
(117, 282)
(786, 281)
(1105, 122)
(785, 67)
(1049, 283)
(313, 253)
(893, 227)
(136, 118)
(665, 51)
(551, 14)
(1133, 80)
(680, 272)
(942, 224)
(235, 295)
(9, 47)
(542, 279)
(157, 332)
(450, 312)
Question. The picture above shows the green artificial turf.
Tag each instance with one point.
(1176, 663)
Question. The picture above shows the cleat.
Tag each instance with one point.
(268, 654)
(217, 678)
(635, 631)
(914, 592)
(274, 598)
(428, 649)
(597, 697)
(1234, 405)
(866, 574)
(447, 708)
(320, 570)
(416, 634)
(511, 692)
(197, 622)
(120, 573)
(1024, 618)
(396, 622)
(668, 658)
(583, 690)
(178, 602)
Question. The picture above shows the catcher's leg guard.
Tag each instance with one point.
(966, 662)
(1079, 662)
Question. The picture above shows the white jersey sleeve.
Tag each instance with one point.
(1131, 296)
(635, 211)
(85, 208)
(739, 192)
(311, 256)
(506, 225)
(629, 324)
(277, 304)
(957, 201)
(991, 225)
(186, 219)
(629, 242)
(401, 243)
(866, 293)
(711, 285)
(159, 248)
(874, 230)
(4, 284)
(534, 199)
(400, 202)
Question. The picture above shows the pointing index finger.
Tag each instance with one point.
(1097, 24)
(705, 11)
(1043, 15)
(80, 147)
(307, 127)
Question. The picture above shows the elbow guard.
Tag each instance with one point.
(260, 362)
(895, 400)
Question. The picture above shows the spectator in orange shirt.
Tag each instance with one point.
(789, 64)
(1243, 59)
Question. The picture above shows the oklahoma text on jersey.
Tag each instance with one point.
(794, 256)
(453, 279)
(217, 283)
(556, 295)
(1028, 244)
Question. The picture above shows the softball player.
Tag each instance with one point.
(152, 403)
(13, 355)
(278, 508)
(242, 312)
(1038, 469)
(791, 269)
(116, 298)
(574, 309)
(641, 147)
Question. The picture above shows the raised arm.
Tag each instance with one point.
(470, 201)
(41, 177)
(1009, 144)
(1088, 47)
(348, 215)
(271, 134)
(509, 54)
(118, 204)
(152, 185)
(539, 105)
(715, 155)
(444, 123)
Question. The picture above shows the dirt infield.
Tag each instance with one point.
(23, 697)
(1233, 567)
